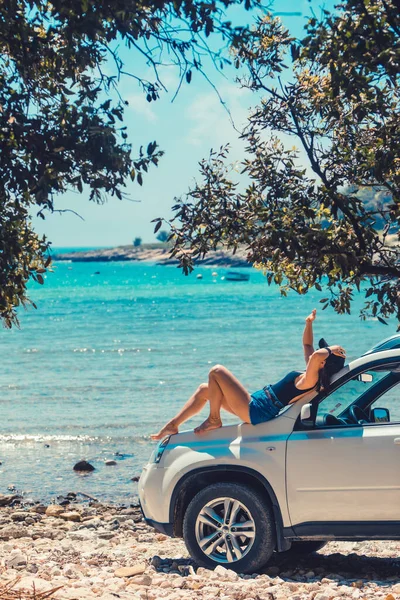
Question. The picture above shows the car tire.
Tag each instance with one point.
(300, 548)
(244, 548)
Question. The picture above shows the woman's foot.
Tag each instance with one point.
(209, 424)
(168, 429)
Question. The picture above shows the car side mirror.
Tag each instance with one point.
(380, 415)
(365, 377)
(305, 416)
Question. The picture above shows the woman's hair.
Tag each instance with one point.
(332, 365)
(324, 380)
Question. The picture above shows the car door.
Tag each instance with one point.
(344, 474)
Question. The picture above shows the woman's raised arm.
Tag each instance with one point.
(308, 336)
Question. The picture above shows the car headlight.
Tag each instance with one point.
(160, 449)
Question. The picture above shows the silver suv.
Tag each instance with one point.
(326, 468)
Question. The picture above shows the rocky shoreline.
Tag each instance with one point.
(160, 256)
(93, 550)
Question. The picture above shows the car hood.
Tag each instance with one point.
(228, 433)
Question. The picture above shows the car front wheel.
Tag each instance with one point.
(229, 524)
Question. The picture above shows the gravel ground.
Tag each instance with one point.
(107, 552)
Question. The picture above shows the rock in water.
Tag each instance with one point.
(83, 465)
(110, 463)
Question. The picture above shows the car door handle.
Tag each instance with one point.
(397, 441)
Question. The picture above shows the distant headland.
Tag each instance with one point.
(154, 253)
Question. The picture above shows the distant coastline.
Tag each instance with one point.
(151, 253)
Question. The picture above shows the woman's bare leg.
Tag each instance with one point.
(215, 398)
(227, 391)
(193, 406)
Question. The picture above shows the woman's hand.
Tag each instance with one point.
(338, 350)
(311, 317)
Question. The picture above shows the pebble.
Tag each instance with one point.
(6, 499)
(141, 580)
(396, 588)
(16, 560)
(70, 516)
(310, 575)
(54, 510)
(131, 571)
(39, 508)
(272, 571)
(322, 596)
(11, 532)
(41, 585)
(19, 516)
(226, 573)
(106, 535)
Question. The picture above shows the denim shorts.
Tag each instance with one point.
(264, 405)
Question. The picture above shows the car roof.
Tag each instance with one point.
(375, 357)
(369, 360)
(389, 343)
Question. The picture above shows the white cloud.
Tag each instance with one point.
(210, 119)
(139, 105)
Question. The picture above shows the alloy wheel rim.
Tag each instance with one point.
(225, 530)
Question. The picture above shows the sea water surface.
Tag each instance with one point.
(114, 349)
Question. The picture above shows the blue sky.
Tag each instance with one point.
(185, 129)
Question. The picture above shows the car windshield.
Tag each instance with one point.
(339, 400)
(390, 400)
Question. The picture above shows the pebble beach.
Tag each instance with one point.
(93, 550)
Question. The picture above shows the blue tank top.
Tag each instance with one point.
(285, 389)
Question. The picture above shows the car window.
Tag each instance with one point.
(337, 402)
(391, 401)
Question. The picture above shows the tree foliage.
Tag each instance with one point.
(323, 213)
(162, 236)
(61, 117)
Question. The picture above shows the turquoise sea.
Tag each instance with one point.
(107, 358)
